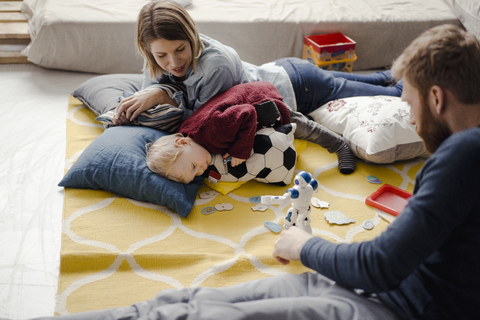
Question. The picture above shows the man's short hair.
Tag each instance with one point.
(446, 56)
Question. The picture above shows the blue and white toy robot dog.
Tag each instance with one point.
(299, 196)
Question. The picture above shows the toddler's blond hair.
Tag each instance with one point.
(162, 154)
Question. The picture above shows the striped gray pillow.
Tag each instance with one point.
(162, 116)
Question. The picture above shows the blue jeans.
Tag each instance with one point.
(314, 86)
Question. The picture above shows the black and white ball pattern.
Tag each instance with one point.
(272, 159)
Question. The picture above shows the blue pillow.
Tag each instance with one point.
(115, 162)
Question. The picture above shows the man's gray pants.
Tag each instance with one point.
(293, 296)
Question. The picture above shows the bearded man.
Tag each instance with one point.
(426, 265)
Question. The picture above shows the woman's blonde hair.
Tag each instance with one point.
(162, 154)
(446, 56)
(165, 19)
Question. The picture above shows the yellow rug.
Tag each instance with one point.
(116, 251)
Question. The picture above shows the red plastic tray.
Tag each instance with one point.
(389, 199)
(331, 42)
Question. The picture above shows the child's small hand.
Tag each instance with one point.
(237, 161)
(234, 161)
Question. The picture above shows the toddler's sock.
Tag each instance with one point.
(346, 160)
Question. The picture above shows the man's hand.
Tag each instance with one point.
(290, 244)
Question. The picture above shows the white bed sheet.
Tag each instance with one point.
(32, 162)
(468, 12)
(99, 35)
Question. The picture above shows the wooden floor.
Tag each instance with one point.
(13, 31)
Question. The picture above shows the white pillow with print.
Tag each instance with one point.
(377, 129)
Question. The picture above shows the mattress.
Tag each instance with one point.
(99, 36)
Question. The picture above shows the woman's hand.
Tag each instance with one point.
(129, 108)
(290, 244)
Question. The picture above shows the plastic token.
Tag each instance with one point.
(255, 199)
(317, 203)
(324, 204)
(208, 194)
(273, 226)
(337, 217)
(368, 224)
(260, 207)
(208, 210)
(373, 179)
(224, 206)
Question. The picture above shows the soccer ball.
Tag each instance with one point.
(272, 159)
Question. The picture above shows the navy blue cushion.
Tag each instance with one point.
(115, 162)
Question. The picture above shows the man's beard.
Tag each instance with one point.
(432, 131)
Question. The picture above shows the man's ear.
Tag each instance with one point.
(182, 141)
(436, 99)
